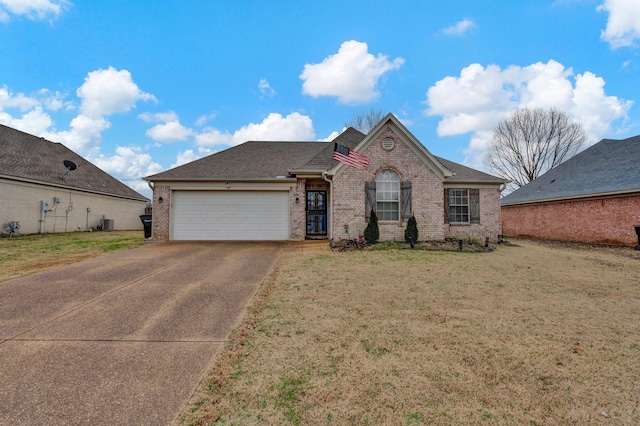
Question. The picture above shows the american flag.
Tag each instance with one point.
(350, 157)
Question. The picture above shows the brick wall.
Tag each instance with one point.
(427, 193)
(297, 214)
(606, 220)
(490, 219)
(161, 211)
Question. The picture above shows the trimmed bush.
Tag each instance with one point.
(372, 231)
(411, 232)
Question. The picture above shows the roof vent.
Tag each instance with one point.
(388, 144)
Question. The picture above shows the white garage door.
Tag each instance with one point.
(230, 215)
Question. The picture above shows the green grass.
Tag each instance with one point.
(289, 389)
(27, 254)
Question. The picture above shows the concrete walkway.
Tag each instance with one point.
(122, 339)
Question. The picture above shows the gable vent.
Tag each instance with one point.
(388, 144)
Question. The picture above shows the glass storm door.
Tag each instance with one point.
(316, 213)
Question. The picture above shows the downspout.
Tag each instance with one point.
(324, 177)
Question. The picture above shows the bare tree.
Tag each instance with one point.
(530, 142)
(366, 122)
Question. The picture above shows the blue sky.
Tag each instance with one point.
(139, 87)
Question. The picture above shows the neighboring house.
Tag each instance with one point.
(592, 197)
(39, 191)
(296, 191)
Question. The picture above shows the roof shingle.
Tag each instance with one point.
(260, 160)
(29, 157)
(610, 166)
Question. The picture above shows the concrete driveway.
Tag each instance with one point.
(122, 339)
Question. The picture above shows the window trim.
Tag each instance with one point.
(395, 197)
(454, 215)
(473, 203)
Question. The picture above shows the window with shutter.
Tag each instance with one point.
(405, 197)
(458, 206)
(369, 198)
(474, 205)
(447, 219)
(388, 196)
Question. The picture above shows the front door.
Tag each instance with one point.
(316, 213)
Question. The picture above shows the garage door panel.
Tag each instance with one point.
(230, 215)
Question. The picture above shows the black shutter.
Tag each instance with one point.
(474, 205)
(446, 206)
(405, 199)
(369, 198)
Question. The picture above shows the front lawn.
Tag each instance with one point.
(27, 254)
(527, 334)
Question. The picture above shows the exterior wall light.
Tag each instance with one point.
(160, 200)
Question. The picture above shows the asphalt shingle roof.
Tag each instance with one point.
(610, 166)
(464, 174)
(250, 160)
(24, 156)
(259, 160)
(323, 160)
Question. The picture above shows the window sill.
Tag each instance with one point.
(460, 224)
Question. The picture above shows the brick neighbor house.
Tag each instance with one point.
(296, 191)
(592, 197)
(39, 191)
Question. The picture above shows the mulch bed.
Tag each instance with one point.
(449, 244)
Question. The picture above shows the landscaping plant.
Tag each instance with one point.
(372, 231)
(411, 232)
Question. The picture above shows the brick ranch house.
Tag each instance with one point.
(296, 191)
(592, 197)
(39, 191)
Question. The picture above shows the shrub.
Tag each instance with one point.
(411, 232)
(372, 231)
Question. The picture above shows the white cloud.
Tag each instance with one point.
(213, 137)
(169, 132)
(476, 100)
(460, 28)
(129, 162)
(190, 155)
(266, 91)
(202, 120)
(32, 9)
(352, 75)
(331, 137)
(169, 129)
(106, 92)
(35, 121)
(623, 25)
(20, 100)
(593, 108)
(54, 101)
(275, 127)
(129, 165)
(85, 132)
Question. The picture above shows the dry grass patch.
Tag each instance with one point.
(531, 334)
(27, 254)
